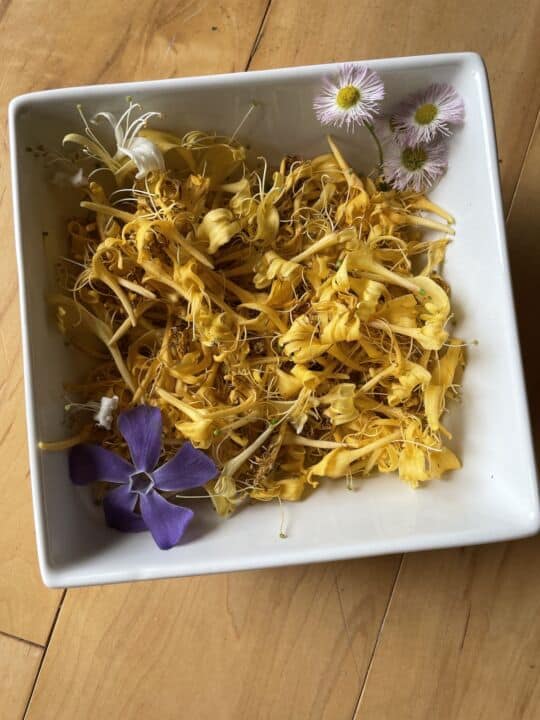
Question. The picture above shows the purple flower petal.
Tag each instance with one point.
(141, 428)
(88, 463)
(118, 508)
(189, 468)
(166, 522)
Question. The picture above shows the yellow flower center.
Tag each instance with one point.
(347, 97)
(425, 114)
(413, 158)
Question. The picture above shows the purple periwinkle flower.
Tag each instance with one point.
(141, 480)
(426, 115)
(352, 99)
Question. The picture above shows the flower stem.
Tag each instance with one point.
(373, 134)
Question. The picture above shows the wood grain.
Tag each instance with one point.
(289, 643)
(19, 663)
(46, 45)
(462, 633)
(26, 606)
(298, 33)
(461, 639)
(523, 235)
(122, 40)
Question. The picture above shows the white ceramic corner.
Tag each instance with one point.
(493, 497)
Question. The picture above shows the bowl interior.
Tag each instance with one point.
(494, 494)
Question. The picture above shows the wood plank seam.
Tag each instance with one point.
(377, 639)
(259, 35)
(51, 631)
(19, 661)
(521, 170)
(346, 624)
(21, 639)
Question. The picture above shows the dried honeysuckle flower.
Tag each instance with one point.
(274, 319)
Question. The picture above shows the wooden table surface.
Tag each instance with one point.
(451, 634)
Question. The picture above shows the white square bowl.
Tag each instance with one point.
(493, 497)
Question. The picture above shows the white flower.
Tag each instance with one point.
(130, 145)
(144, 153)
(352, 99)
(105, 414)
(415, 167)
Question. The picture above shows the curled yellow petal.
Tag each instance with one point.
(443, 377)
(218, 227)
(340, 400)
(272, 267)
(410, 377)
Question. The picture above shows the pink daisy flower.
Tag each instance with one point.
(415, 167)
(427, 114)
(352, 99)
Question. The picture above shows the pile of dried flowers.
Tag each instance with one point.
(282, 327)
